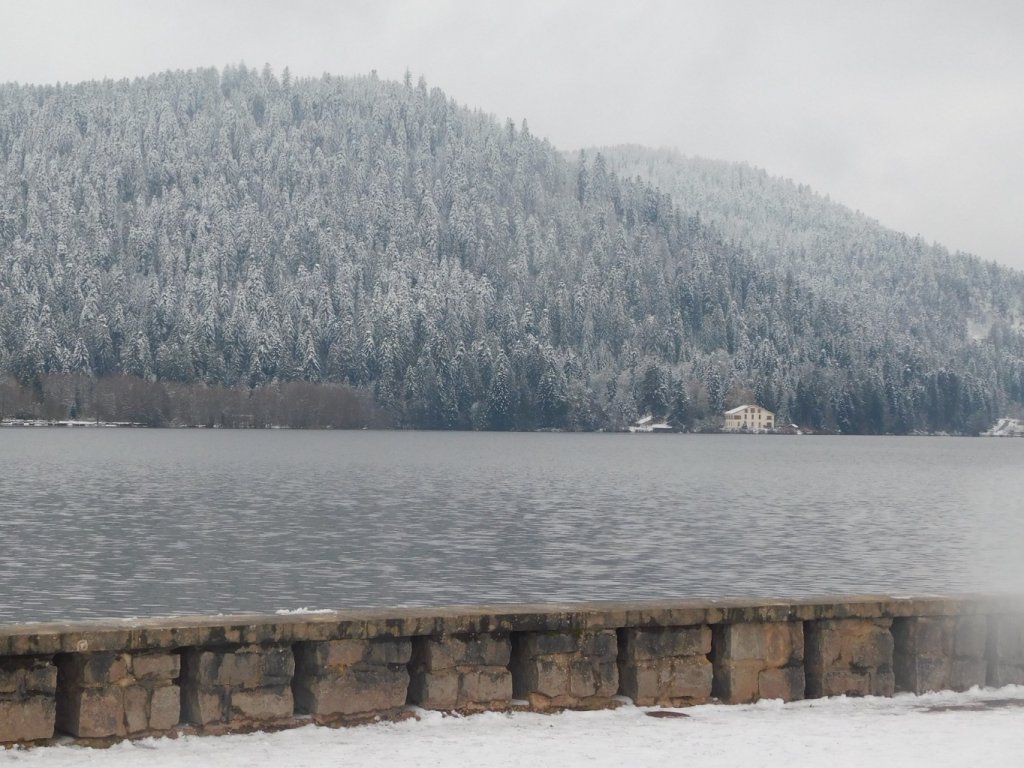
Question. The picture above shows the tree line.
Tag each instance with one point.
(144, 402)
(244, 232)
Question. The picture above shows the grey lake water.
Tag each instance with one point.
(117, 523)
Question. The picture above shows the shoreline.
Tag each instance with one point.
(82, 424)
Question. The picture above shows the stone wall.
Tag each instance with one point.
(351, 680)
(666, 666)
(1006, 650)
(237, 688)
(464, 673)
(103, 681)
(759, 660)
(28, 705)
(566, 670)
(935, 653)
(851, 657)
(118, 694)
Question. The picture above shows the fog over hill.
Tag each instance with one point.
(238, 228)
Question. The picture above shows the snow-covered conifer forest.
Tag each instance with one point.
(236, 231)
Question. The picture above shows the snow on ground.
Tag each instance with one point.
(301, 611)
(1006, 428)
(978, 728)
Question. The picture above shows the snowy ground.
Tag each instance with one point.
(978, 728)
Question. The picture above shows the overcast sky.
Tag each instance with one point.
(912, 112)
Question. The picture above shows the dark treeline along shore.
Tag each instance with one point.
(239, 231)
(136, 401)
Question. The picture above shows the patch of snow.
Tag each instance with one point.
(940, 730)
(1006, 428)
(301, 611)
(978, 330)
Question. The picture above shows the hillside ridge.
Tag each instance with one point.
(235, 228)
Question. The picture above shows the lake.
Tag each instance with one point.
(117, 522)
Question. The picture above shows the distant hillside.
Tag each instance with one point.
(787, 225)
(237, 228)
(898, 282)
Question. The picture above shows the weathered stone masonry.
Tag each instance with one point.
(118, 694)
(103, 681)
(665, 666)
(242, 687)
(464, 673)
(575, 669)
(851, 657)
(935, 653)
(350, 680)
(759, 660)
(28, 686)
(1006, 649)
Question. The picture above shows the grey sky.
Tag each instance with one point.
(912, 112)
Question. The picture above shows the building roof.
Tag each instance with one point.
(741, 408)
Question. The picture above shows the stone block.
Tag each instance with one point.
(1007, 637)
(203, 707)
(362, 683)
(737, 682)
(108, 694)
(546, 675)
(246, 668)
(347, 653)
(548, 643)
(237, 688)
(435, 689)
(786, 683)
(93, 670)
(640, 643)
(1006, 650)
(846, 682)
(970, 637)
(155, 666)
(589, 678)
(351, 693)
(262, 705)
(96, 712)
(27, 702)
(758, 660)
(852, 657)
(27, 719)
(454, 650)
(666, 666)
(389, 651)
(934, 653)
(333, 653)
(599, 645)
(41, 678)
(136, 708)
(776, 644)
(575, 669)
(487, 684)
(164, 708)
(461, 672)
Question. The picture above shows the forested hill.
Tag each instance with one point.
(901, 280)
(241, 228)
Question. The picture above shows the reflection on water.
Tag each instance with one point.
(146, 522)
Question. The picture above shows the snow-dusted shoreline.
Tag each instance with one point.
(77, 423)
(980, 727)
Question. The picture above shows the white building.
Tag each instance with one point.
(749, 418)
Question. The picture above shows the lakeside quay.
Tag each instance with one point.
(106, 680)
